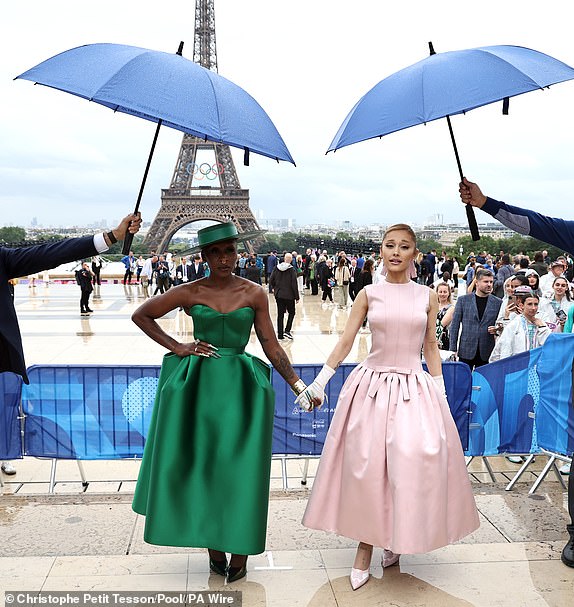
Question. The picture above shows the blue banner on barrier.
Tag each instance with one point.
(504, 399)
(103, 412)
(88, 412)
(10, 437)
(555, 413)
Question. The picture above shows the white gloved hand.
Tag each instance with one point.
(315, 392)
(304, 401)
(439, 381)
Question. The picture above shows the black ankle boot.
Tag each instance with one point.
(568, 552)
(218, 566)
(236, 573)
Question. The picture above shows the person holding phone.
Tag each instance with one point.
(525, 331)
(561, 301)
(508, 309)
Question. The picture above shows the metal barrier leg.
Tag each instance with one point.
(520, 472)
(305, 472)
(489, 468)
(558, 475)
(284, 472)
(543, 474)
(486, 463)
(1, 481)
(82, 473)
(53, 476)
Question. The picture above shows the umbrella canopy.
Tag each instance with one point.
(445, 84)
(164, 87)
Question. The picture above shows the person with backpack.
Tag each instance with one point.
(84, 277)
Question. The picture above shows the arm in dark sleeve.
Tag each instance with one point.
(552, 230)
(29, 260)
(454, 327)
(294, 285)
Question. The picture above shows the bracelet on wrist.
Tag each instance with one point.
(111, 237)
(298, 387)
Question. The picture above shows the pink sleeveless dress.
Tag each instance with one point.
(392, 472)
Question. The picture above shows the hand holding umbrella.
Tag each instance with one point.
(471, 194)
(128, 225)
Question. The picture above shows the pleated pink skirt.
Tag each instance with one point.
(392, 472)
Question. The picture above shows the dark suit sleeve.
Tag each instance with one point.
(455, 325)
(29, 260)
(553, 230)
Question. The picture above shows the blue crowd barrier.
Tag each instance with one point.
(10, 436)
(88, 412)
(555, 411)
(103, 412)
(523, 403)
(516, 405)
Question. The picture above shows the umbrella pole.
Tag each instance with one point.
(129, 236)
(470, 216)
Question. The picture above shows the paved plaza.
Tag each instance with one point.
(88, 538)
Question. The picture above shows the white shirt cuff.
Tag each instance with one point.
(100, 243)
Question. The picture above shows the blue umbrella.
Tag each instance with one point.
(445, 84)
(166, 89)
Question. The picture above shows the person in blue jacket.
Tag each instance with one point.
(554, 231)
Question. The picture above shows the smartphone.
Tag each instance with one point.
(561, 315)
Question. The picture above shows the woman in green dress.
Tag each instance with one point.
(204, 478)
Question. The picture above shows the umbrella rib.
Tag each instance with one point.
(216, 103)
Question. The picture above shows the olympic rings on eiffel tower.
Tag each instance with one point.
(205, 170)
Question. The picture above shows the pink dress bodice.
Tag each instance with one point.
(397, 315)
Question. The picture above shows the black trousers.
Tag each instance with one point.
(474, 362)
(284, 305)
(162, 284)
(85, 301)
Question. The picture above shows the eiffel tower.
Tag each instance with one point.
(205, 185)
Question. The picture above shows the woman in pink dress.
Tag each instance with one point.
(392, 473)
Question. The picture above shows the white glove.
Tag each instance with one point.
(304, 401)
(439, 381)
(315, 391)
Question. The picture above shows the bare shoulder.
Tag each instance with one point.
(255, 293)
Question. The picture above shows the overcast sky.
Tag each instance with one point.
(66, 161)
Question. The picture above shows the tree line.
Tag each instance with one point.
(14, 236)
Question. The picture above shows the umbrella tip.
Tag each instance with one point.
(180, 49)
(431, 49)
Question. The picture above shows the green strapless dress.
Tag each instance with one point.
(204, 477)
